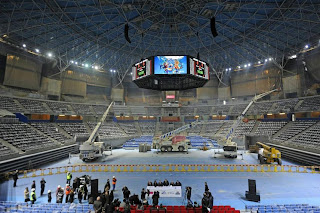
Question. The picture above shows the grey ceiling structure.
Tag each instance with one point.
(92, 31)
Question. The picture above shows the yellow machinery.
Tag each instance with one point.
(268, 154)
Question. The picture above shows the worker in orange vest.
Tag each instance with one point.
(114, 181)
(67, 190)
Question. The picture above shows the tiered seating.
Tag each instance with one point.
(301, 208)
(163, 127)
(295, 128)
(45, 208)
(24, 137)
(199, 142)
(82, 109)
(309, 138)
(187, 111)
(147, 127)
(128, 127)
(74, 129)
(9, 104)
(211, 128)
(310, 104)
(221, 109)
(154, 111)
(5, 151)
(244, 128)
(204, 110)
(135, 142)
(33, 106)
(260, 108)
(269, 128)
(51, 130)
(225, 128)
(138, 110)
(120, 110)
(99, 109)
(170, 110)
(238, 109)
(108, 130)
(195, 130)
(284, 105)
(58, 107)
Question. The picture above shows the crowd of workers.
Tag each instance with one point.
(105, 202)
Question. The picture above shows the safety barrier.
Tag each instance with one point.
(169, 168)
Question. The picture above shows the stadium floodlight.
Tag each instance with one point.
(37, 50)
(224, 102)
(270, 59)
(96, 67)
(293, 56)
(24, 45)
(82, 65)
(49, 55)
(245, 65)
(226, 69)
(266, 60)
(259, 62)
(86, 65)
(239, 67)
(110, 70)
(307, 46)
(249, 65)
(229, 69)
(76, 62)
(71, 62)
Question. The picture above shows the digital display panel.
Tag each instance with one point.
(170, 65)
(141, 69)
(199, 68)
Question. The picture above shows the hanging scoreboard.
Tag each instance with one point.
(141, 69)
(199, 68)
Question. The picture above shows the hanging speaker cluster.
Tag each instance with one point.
(213, 27)
(126, 33)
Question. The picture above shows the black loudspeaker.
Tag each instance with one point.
(94, 188)
(213, 27)
(252, 195)
(126, 33)
(198, 55)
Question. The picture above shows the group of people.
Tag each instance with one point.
(207, 200)
(164, 183)
(32, 196)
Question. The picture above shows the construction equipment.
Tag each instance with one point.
(268, 154)
(91, 150)
(230, 147)
(171, 141)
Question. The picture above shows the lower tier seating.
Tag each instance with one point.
(74, 128)
(300, 208)
(51, 130)
(135, 142)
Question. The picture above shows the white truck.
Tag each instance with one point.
(174, 144)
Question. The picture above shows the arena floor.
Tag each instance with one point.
(228, 188)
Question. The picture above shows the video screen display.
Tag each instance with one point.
(170, 65)
(200, 68)
(141, 69)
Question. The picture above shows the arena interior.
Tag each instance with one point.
(219, 92)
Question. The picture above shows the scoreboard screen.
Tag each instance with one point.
(199, 68)
(141, 69)
(170, 65)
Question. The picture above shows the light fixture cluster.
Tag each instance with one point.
(249, 64)
(86, 65)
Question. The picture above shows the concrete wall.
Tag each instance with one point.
(291, 84)
(117, 94)
(50, 86)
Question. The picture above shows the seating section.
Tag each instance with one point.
(309, 139)
(301, 208)
(196, 130)
(5, 151)
(147, 127)
(99, 109)
(244, 128)
(128, 127)
(9, 104)
(74, 129)
(221, 109)
(238, 109)
(33, 106)
(284, 105)
(225, 128)
(23, 137)
(108, 130)
(138, 110)
(269, 127)
(293, 130)
(51, 130)
(58, 107)
(82, 109)
(135, 142)
(211, 128)
(260, 108)
(154, 111)
(120, 110)
(187, 111)
(7, 206)
(200, 142)
(310, 104)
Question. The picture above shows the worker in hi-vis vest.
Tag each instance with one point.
(114, 181)
(33, 197)
(69, 177)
